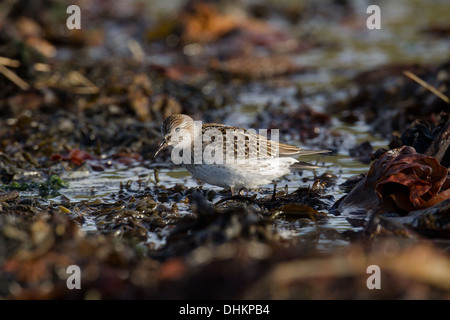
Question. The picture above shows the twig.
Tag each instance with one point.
(9, 62)
(14, 78)
(42, 67)
(78, 78)
(427, 86)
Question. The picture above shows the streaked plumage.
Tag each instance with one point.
(261, 160)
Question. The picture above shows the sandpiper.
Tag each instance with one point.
(226, 156)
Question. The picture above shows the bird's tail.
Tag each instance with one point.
(305, 152)
(303, 166)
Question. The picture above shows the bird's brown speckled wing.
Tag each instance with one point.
(247, 144)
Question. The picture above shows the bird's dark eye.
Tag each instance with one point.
(177, 130)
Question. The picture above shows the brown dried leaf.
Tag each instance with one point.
(205, 24)
(401, 180)
(411, 179)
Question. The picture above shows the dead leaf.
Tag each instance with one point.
(401, 180)
(205, 24)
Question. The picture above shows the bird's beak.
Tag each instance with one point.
(161, 146)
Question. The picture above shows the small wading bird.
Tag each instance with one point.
(255, 160)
